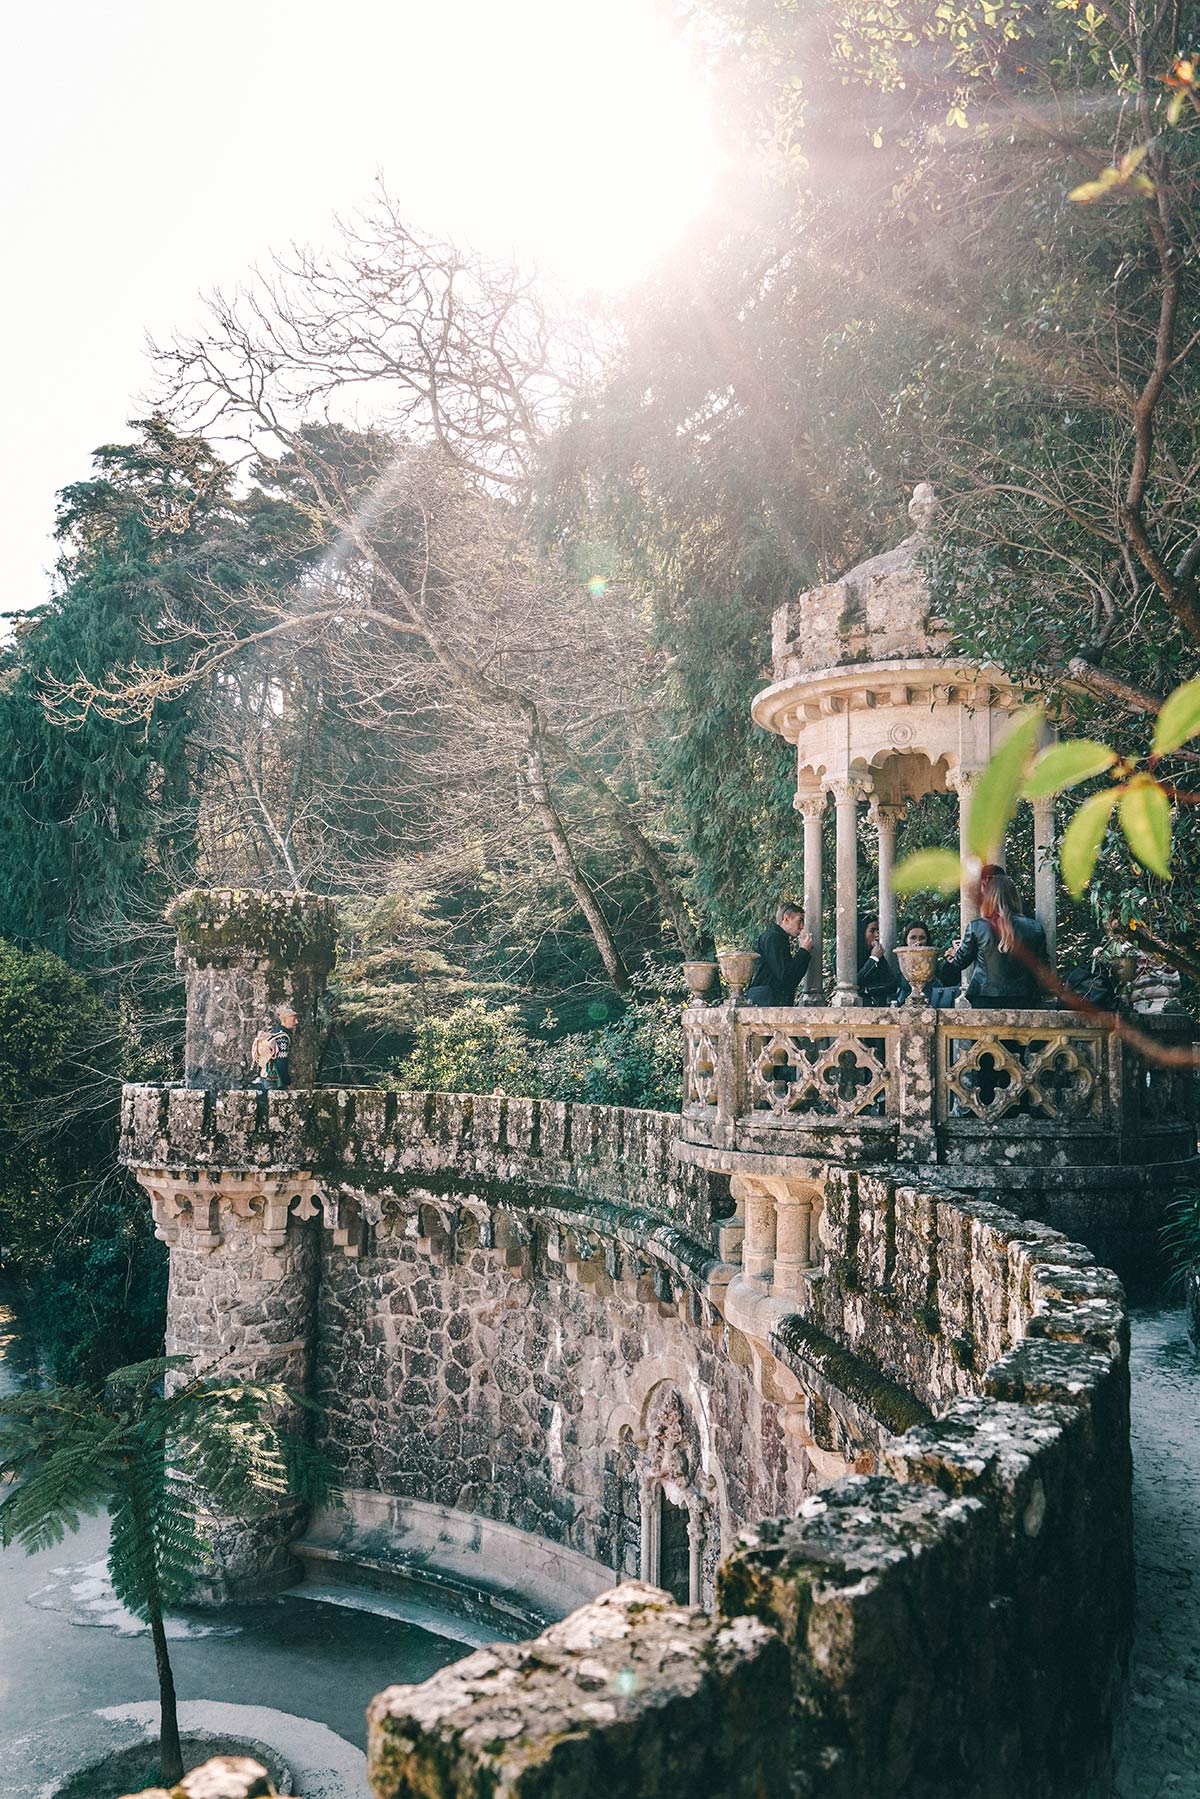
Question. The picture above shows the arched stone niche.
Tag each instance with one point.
(680, 1524)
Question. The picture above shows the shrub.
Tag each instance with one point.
(471, 1050)
(636, 1060)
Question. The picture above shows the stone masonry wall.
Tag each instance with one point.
(249, 1311)
(956, 1625)
(520, 1392)
(503, 1293)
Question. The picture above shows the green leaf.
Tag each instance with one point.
(928, 871)
(1082, 839)
(999, 786)
(1065, 765)
(1178, 718)
(1146, 821)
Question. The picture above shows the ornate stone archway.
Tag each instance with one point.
(670, 1472)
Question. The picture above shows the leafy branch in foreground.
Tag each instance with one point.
(1141, 799)
(148, 1456)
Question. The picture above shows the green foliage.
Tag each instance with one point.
(637, 1060)
(92, 817)
(76, 1232)
(1142, 802)
(99, 1293)
(147, 1456)
(998, 788)
(1178, 719)
(1180, 1235)
(928, 871)
(1065, 765)
(1083, 837)
(470, 1050)
(60, 1071)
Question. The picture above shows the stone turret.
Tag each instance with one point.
(245, 955)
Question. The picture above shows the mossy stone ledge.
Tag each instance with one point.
(284, 929)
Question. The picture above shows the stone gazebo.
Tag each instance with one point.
(882, 711)
(1050, 1112)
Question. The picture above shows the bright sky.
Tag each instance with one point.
(154, 149)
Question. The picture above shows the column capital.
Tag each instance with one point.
(963, 780)
(846, 791)
(1043, 811)
(810, 805)
(886, 814)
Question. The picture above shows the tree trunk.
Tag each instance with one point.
(170, 1753)
(569, 869)
(666, 888)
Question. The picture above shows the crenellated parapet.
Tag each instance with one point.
(363, 1147)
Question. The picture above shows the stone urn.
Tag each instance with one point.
(917, 963)
(1123, 969)
(699, 977)
(737, 971)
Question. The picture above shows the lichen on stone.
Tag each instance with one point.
(285, 929)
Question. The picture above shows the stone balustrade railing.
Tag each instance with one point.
(912, 1085)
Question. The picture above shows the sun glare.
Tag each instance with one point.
(587, 142)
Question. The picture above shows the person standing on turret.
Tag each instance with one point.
(784, 952)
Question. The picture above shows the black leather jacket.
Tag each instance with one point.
(1001, 978)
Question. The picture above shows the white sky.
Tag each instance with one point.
(153, 149)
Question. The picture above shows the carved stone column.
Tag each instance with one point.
(1045, 902)
(846, 795)
(244, 957)
(811, 807)
(885, 819)
(758, 1244)
(649, 1506)
(964, 785)
(795, 1237)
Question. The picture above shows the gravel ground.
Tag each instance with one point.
(1160, 1748)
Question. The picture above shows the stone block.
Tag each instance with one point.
(225, 1777)
(879, 1590)
(631, 1695)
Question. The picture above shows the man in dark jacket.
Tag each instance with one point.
(781, 964)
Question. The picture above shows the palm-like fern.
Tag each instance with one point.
(151, 1457)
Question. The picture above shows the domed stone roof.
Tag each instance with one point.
(878, 612)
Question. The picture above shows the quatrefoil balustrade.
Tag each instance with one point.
(841, 1076)
(1048, 1078)
(700, 1068)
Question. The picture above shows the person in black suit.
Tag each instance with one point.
(784, 953)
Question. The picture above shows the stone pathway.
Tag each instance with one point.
(1160, 1750)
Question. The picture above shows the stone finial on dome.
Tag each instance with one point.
(878, 611)
(923, 505)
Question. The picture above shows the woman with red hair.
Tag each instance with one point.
(1006, 947)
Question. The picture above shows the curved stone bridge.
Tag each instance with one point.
(781, 1357)
(538, 1316)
